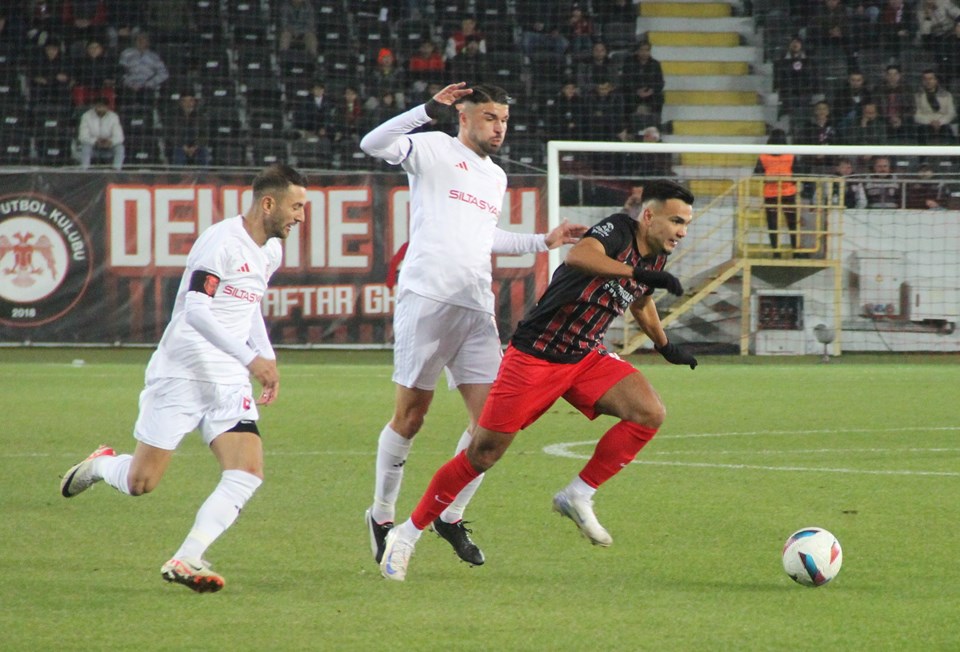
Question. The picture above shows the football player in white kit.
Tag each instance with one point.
(199, 376)
(444, 315)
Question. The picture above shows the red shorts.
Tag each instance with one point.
(527, 386)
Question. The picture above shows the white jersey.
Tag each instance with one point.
(243, 267)
(455, 196)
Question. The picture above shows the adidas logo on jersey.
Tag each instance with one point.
(462, 165)
(244, 267)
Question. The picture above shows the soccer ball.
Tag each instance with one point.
(812, 556)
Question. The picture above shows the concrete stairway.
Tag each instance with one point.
(716, 82)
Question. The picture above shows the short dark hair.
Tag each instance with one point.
(276, 178)
(664, 189)
(483, 93)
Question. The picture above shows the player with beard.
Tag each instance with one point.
(557, 352)
(444, 312)
(199, 376)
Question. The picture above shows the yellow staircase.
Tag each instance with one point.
(712, 93)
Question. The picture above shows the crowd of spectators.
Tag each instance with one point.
(223, 82)
(191, 81)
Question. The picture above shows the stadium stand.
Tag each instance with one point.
(728, 74)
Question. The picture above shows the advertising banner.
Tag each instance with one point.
(96, 257)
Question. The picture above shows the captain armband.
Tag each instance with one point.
(204, 282)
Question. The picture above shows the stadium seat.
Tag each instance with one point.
(219, 93)
(265, 122)
(409, 34)
(263, 92)
(229, 153)
(268, 151)
(54, 151)
(255, 62)
(311, 152)
(14, 137)
(296, 67)
(213, 63)
(141, 150)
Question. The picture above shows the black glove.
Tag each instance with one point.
(437, 110)
(655, 279)
(675, 355)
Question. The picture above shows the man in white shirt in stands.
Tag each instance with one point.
(101, 134)
(199, 376)
(444, 316)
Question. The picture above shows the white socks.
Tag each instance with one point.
(114, 469)
(218, 512)
(454, 512)
(581, 488)
(392, 452)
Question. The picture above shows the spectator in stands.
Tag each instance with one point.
(50, 78)
(847, 102)
(95, 76)
(458, 38)
(819, 131)
(780, 192)
(385, 108)
(936, 20)
(127, 17)
(579, 32)
(935, 111)
(598, 68)
(896, 105)
(895, 29)
(387, 76)
(425, 65)
(853, 196)
(298, 22)
(83, 21)
(654, 164)
(566, 116)
(349, 120)
(795, 78)
(187, 133)
(101, 135)
(314, 116)
(641, 82)
(143, 72)
(881, 188)
(924, 192)
(605, 121)
(540, 28)
(43, 22)
(835, 28)
(870, 129)
(470, 65)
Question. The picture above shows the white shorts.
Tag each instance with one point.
(430, 335)
(171, 408)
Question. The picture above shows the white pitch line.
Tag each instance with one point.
(563, 450)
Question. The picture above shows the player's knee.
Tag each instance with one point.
(651, 415)
(409, 424)
(141, 485)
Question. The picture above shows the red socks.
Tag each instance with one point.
(615, 450)
(443, 488)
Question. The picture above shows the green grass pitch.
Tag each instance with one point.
(752, 450)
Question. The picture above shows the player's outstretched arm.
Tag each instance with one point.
(565, 234)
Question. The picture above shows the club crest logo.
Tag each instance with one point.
(45, 260)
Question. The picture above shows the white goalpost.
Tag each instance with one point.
(860, 258)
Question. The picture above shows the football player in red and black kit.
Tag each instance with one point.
(557, 352)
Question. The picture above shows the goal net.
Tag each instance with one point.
(794, 249)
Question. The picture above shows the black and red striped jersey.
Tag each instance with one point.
(572, 316)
